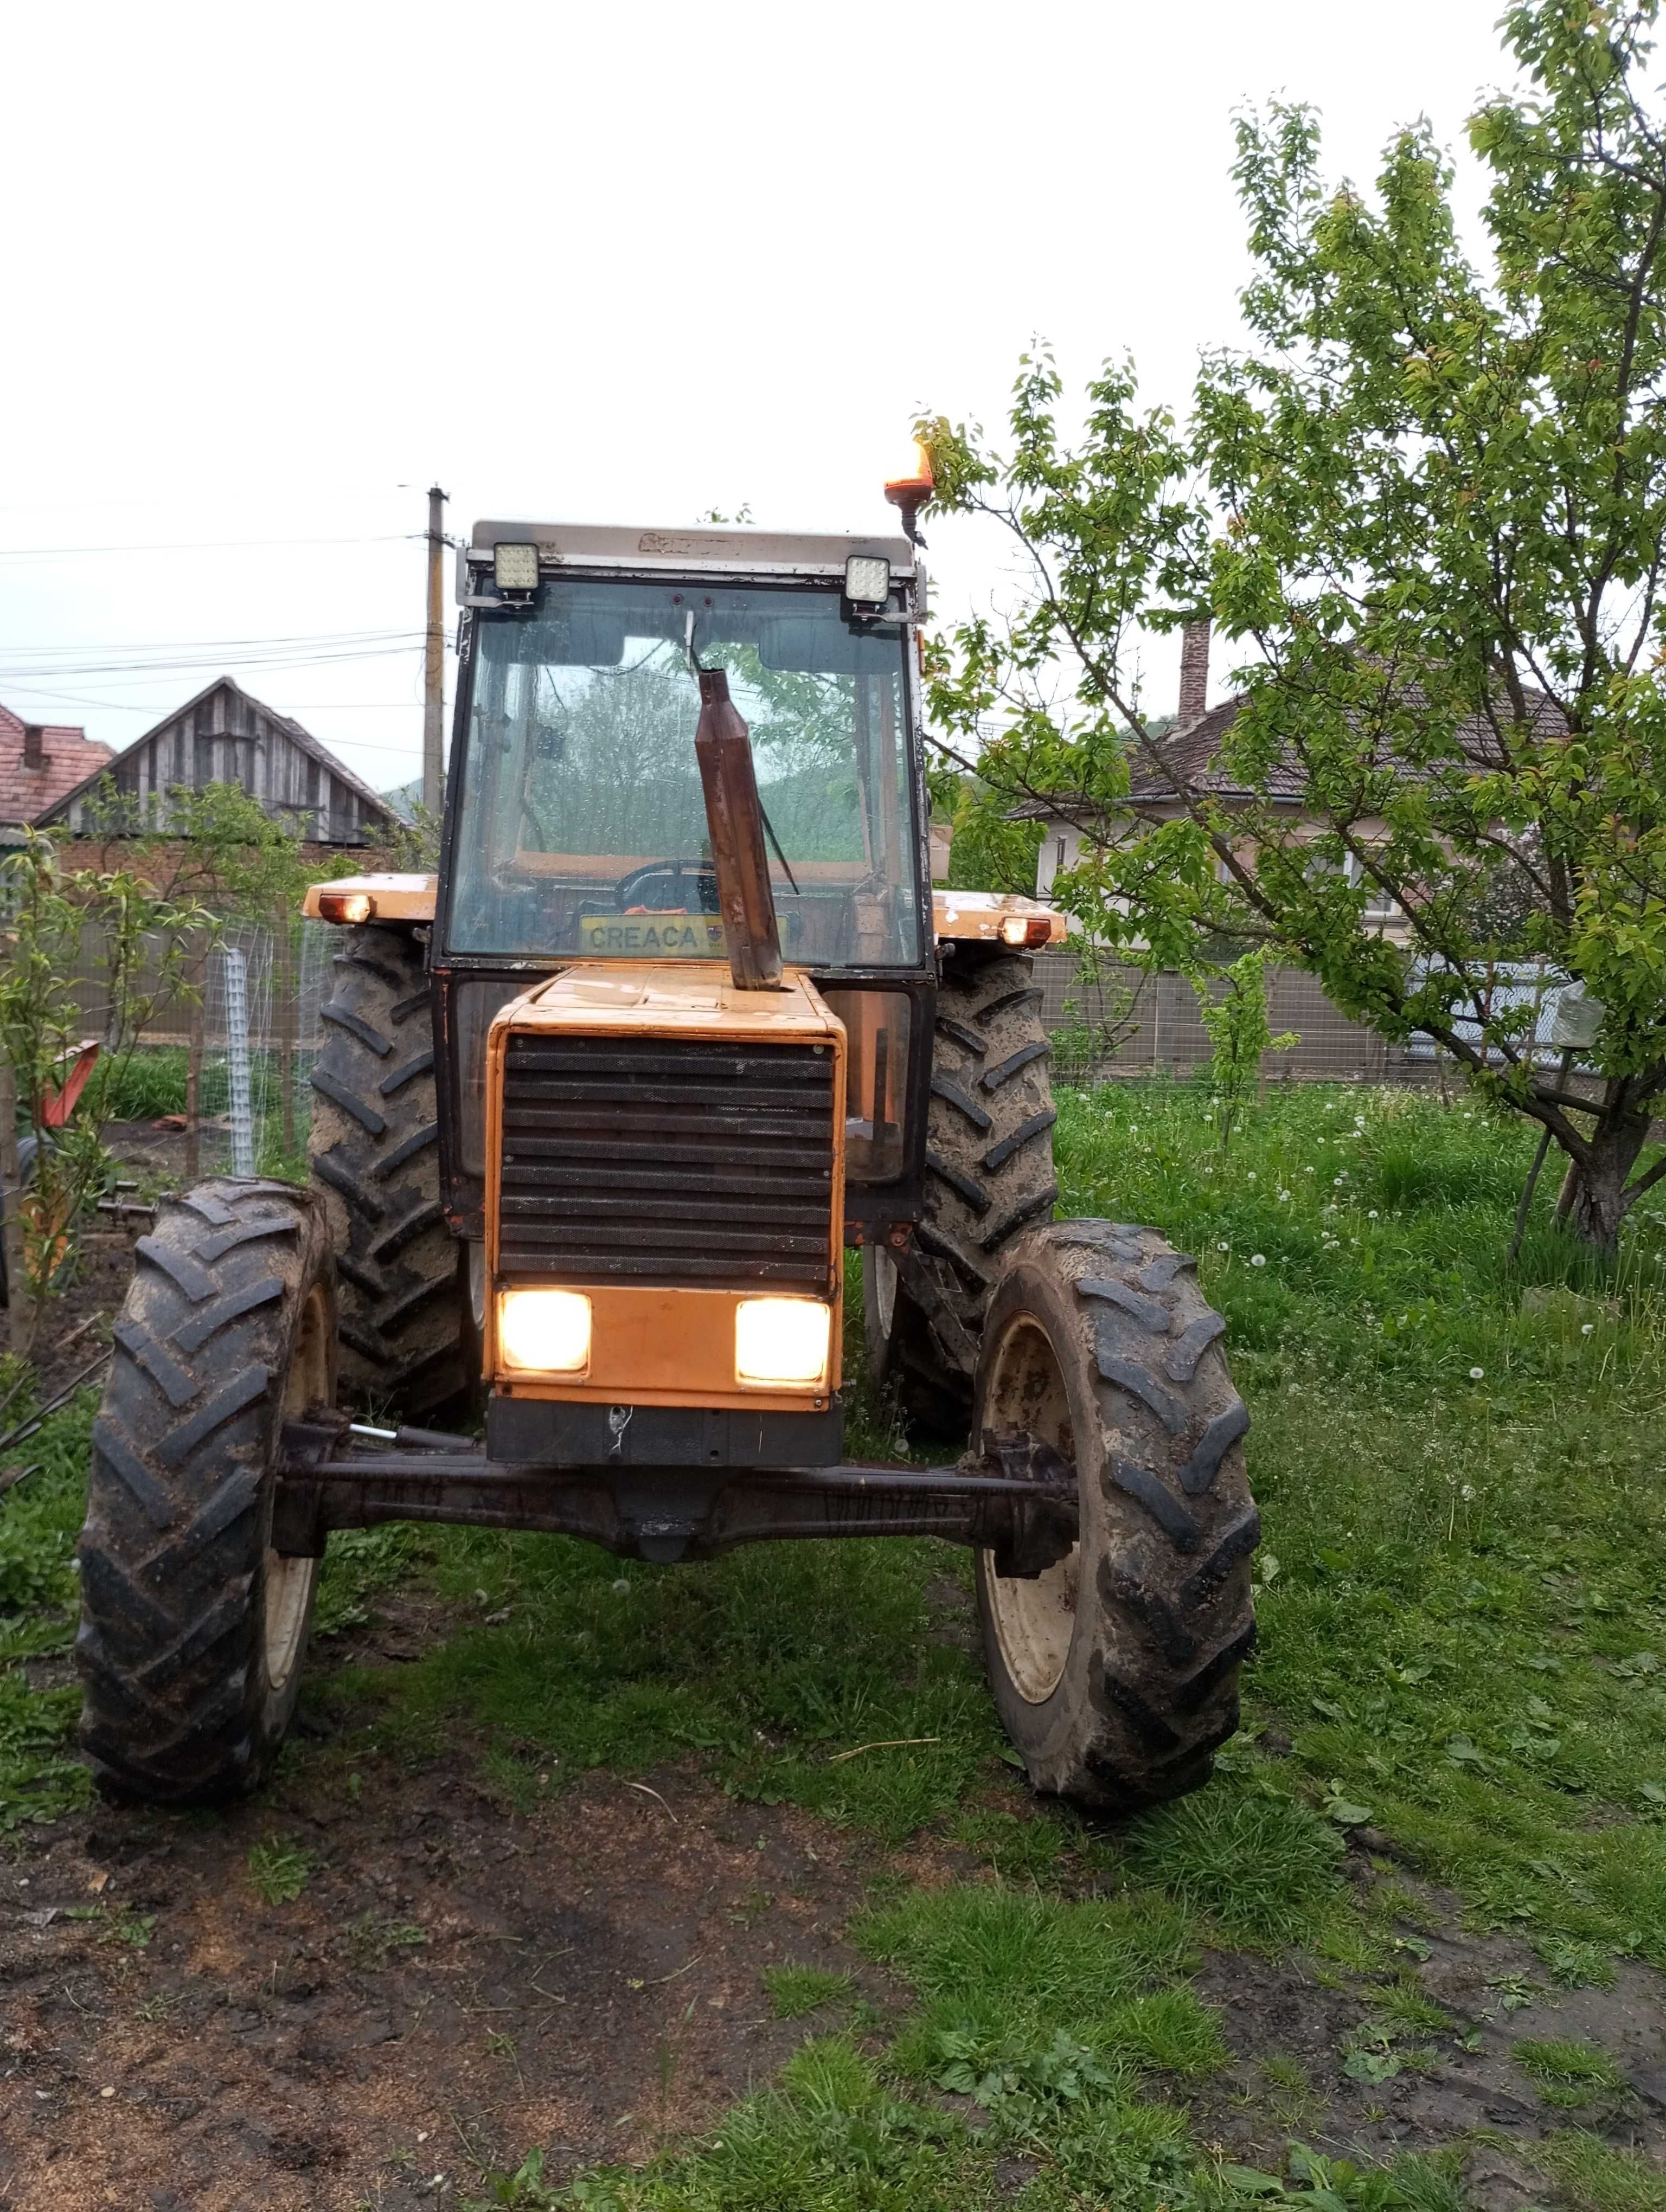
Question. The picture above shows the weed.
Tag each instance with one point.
(794, 1990)
(1570, 2073)
(1292, 2099)
(1263, 1868)
(280, 1870)
(1596, 2178)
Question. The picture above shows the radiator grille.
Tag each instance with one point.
(662, 1162)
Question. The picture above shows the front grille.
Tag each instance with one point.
(656, 1161)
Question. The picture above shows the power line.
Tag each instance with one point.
(194, 545)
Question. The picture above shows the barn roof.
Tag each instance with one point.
(71, 758)
(374, 805)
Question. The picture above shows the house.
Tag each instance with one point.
(1191, 748)
(40, 764)
(225, 736)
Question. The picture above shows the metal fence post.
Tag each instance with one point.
(237, 1059)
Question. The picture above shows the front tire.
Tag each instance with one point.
(1115, 1672)
(193, 1628)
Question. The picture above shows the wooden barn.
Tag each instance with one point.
(225, 736)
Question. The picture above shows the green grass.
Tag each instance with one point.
(1571, 2074)
(1462, 1622)
(796, 1990)
(279, 1869)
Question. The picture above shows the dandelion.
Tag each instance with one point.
(1258, 1258)
(1223, 1247)
(1251, 1176)
(1336, 1182)
(1585, 1327)
(1371, 1216)
(1284, 1193)
(1307, 1171)
(1476, 1373)
(1466, 1492)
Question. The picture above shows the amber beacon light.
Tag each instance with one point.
(908, 493)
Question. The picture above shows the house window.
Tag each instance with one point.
(1379, 907)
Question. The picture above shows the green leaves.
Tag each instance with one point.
(1427, 504)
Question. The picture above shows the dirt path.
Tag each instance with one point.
(454, 1984)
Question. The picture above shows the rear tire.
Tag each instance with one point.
(1116, 1672)
(193, 1629)
(407, 1342)
(989, 1178)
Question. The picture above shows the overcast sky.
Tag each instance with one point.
(269, 272)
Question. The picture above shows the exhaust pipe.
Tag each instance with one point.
(735, 823)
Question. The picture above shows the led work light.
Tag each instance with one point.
(782, 1342)
(545, 1332)
(867, 580)
(514, 568)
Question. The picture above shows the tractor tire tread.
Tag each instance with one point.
(406, 1333)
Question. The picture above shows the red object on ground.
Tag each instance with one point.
(57, 1107)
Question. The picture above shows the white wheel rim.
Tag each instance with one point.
(1034, 1618)
(882, 1287)
(290, 1582)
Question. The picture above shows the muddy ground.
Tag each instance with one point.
(457, 1981)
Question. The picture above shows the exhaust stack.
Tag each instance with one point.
(735, 823)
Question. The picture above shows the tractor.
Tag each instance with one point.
(602, 1108)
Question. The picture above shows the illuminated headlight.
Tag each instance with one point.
(783, 1341)
(545, 1332)
(514, 568)
(867, 580)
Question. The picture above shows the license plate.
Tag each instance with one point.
(654, 936)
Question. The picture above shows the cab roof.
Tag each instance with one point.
(725, 551)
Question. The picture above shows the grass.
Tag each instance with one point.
(1463, 1648)
(795, 1991)
(279, 1869)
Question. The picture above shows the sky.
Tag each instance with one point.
(269, 272)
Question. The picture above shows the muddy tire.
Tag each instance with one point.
(1116, 1672)
(373, 1156)
(192, 1628)
(989, 1178)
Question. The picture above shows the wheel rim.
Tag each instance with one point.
(1034, 1620)
(290, 1582)
(882, 1287)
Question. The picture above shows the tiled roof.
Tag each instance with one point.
(70, 756)
(1193, 754)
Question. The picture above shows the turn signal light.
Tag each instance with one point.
(782, 1342)
(545, 1332)
(1027, 929)
(346, 905)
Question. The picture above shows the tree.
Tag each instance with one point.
(143, 942)
(1428, 503)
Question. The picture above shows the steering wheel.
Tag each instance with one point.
(678, 875)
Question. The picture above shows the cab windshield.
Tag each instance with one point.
(581, 829)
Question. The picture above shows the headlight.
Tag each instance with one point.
(782, 1341)
(545, 1332)
(515, 566)
(867, 579)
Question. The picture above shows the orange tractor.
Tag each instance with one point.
(602, 1108)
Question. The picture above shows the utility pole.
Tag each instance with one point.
(434, 757)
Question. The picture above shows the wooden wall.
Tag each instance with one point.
(227, 736)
